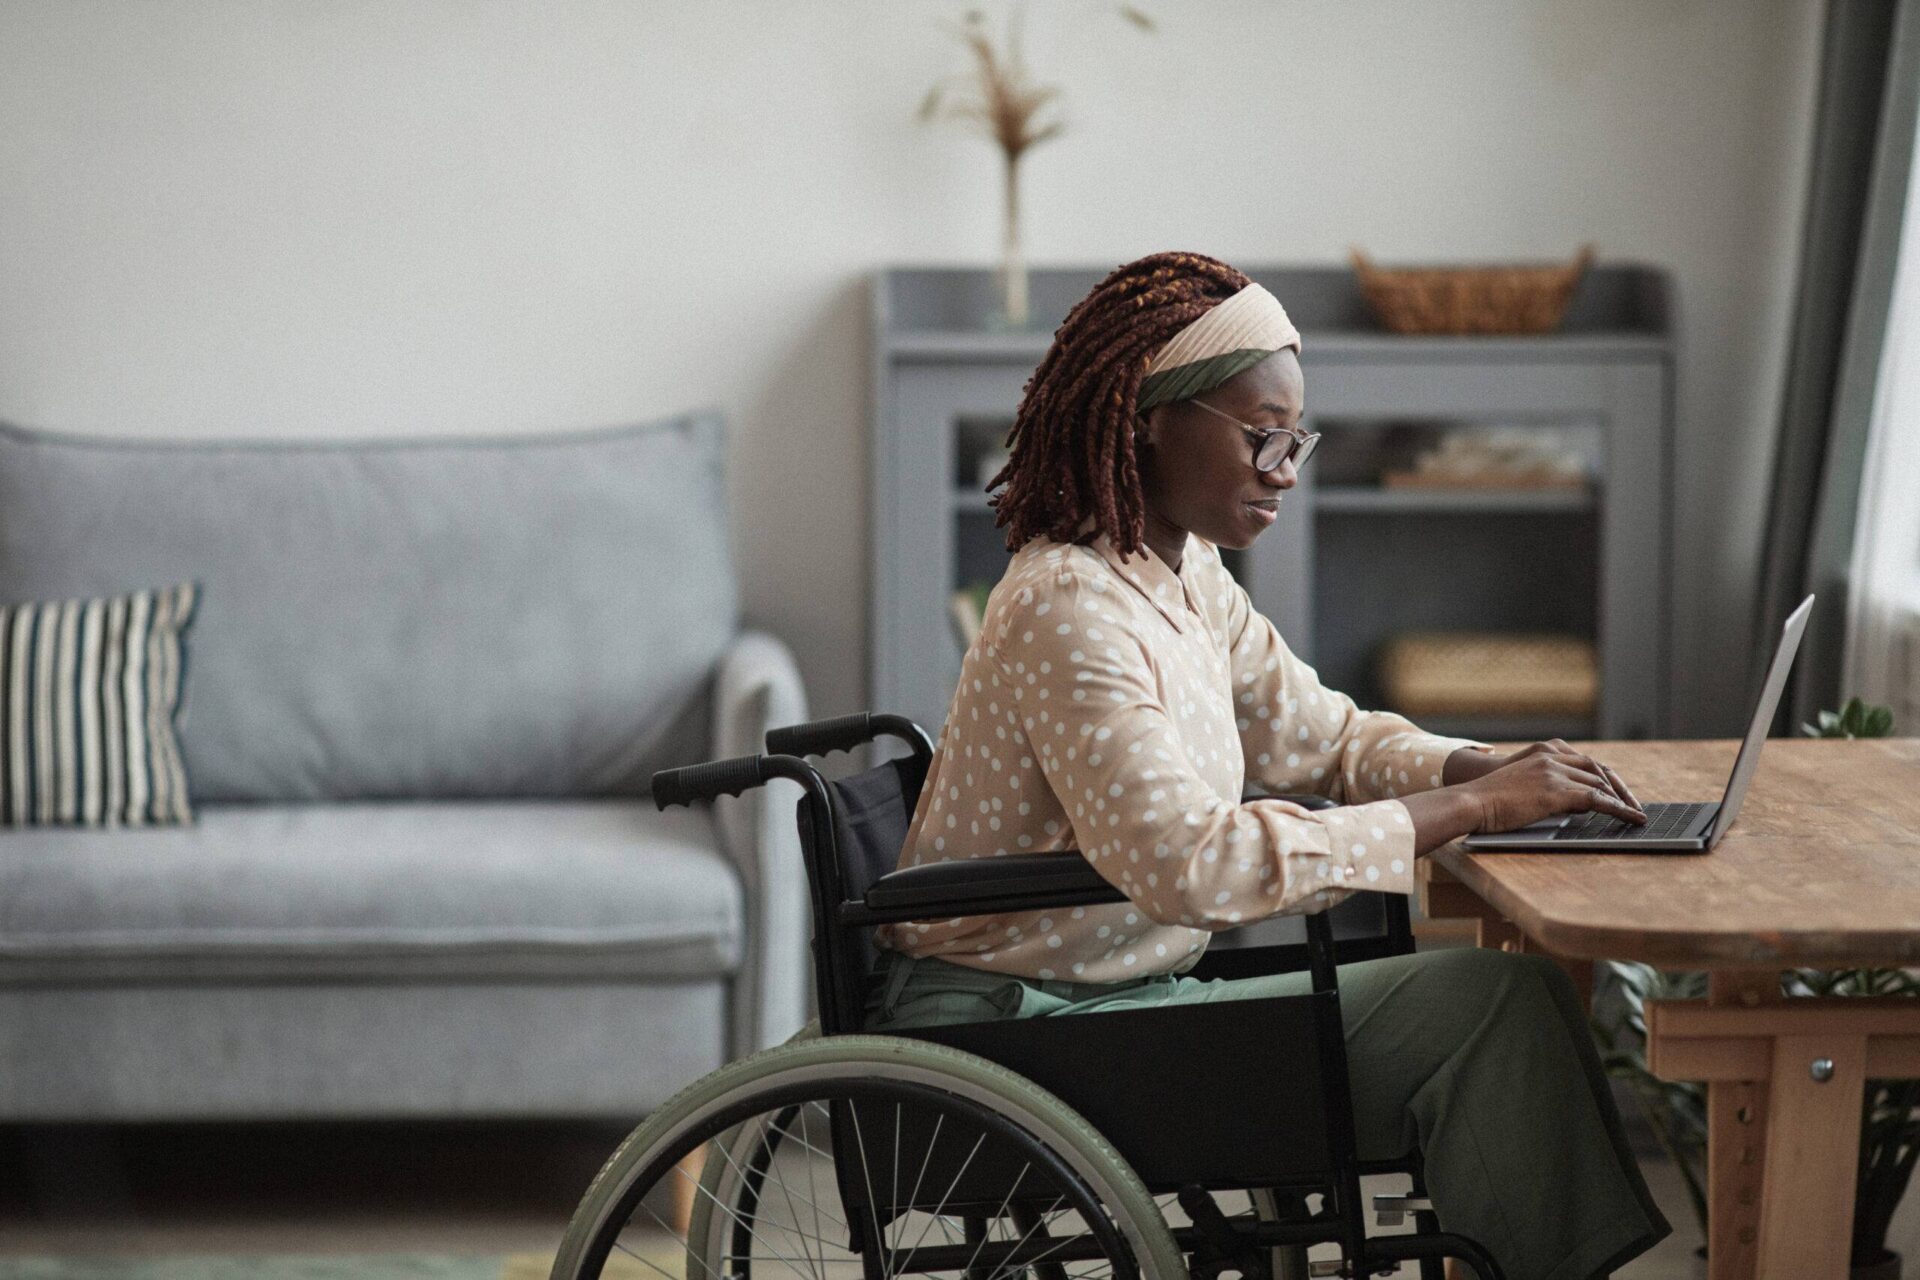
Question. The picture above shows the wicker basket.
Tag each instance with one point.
(1476, 673)
(1511, 299)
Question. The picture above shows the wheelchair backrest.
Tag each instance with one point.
(872, 811)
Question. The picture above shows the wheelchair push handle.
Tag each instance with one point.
(819, 737)
(705, 781)
(845, 733)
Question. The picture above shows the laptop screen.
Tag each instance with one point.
(1749, 758)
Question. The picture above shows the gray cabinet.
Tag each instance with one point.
(1350, 562)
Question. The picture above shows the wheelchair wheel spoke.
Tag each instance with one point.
(731, 1213)
(816, 1265)
(773, 1172)
(645, 1261)
(866, 1173)
(913, 1197)
(814, 1246)
(946, 1197)
(893, 1190)
(1000, 1213)
(790, 1193)
(790, 1136)
(819, 1230)
(1039, 1224)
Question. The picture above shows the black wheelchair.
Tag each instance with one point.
(1124, 1143)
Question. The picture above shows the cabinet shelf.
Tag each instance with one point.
(1372, 498)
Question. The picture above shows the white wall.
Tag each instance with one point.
(402, 216)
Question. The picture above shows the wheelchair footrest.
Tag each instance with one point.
(1391, 1209)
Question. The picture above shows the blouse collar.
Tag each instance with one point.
(1147, 573)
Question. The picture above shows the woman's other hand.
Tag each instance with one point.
(1547, 779)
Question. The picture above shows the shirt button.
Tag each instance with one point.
(1347, 872)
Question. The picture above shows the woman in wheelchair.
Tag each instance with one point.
(1121, 701)
(1123, 695)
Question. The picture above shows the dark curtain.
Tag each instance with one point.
(1862, 151)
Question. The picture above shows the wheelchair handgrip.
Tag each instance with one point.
(818, 737)
(705, 781)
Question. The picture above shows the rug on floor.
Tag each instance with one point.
(321, 1266)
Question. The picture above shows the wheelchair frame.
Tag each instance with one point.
(1184, 1141)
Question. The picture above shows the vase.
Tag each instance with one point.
(1012, 276)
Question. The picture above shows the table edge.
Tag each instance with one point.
(1781, 949)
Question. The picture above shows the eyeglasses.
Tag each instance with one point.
(1271, 447)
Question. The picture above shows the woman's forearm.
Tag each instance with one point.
(1440, 815)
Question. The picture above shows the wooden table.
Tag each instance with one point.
(1821, 870)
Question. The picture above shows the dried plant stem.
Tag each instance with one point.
(1013, 267)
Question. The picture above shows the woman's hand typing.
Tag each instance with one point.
(1546, 779)
(1500, 793)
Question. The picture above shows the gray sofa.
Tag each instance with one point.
(427, 683)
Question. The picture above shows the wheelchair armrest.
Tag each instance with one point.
(1015, 882)
(1306, 800)
(980, 886)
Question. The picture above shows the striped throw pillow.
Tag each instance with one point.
(89, 692)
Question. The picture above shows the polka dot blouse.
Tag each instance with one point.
(1118, 708)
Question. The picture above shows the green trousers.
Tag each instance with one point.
(1480, 1059)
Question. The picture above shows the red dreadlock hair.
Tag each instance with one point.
(1072, 440)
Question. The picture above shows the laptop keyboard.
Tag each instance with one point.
(1663, 822)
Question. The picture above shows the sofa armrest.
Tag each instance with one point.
(756, 688)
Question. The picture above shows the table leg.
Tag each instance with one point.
(1736, 1143)
(686, 1186)
(1813, 1152)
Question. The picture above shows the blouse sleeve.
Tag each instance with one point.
(1087, 700)
(1299, 736)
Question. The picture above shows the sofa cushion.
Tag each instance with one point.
(455, 889)
(530, 616)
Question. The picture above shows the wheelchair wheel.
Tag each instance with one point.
(868, 1156)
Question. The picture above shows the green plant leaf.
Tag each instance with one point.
(1879, 723)
(1853, 717)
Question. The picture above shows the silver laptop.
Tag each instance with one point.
(1670, 828)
